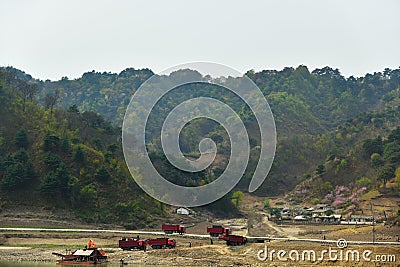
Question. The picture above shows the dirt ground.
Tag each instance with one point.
(39, 247)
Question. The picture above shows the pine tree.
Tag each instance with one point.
(102, 175)
(21, 139)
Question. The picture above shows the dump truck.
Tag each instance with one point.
(161, 242)
(132, 243)
(217, 230)
(173, 228)
(234, 240)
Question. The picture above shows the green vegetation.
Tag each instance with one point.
(267, 205)
(237, 198)
(332, 131)
(54, 158)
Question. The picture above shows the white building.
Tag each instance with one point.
(182, 211)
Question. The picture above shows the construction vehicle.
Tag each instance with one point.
(132, 243)
(217, 230)
(234, 240)
(90, 255)
(162, 242)
(173, 228)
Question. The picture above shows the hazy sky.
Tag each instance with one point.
(50, 39)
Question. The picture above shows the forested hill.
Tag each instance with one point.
(65, 159)
(301, 100)
(324, 121)
(325, 93)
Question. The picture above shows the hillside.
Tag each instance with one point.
(325, 123)
(65, 159)
(306, 106)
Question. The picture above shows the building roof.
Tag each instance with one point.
(335, 216)
(82, 252)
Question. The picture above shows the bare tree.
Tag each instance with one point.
(27, 92)
(10, 79)
(51, 100)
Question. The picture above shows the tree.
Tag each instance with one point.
(1, 139)
(21, 139)
(10, 79)
(14, 176)
(1, 88)
(51, 142)
(52, 161)
(102, 175)
(51, 100)
(328, 212)
(50, 184)
(18, 170)
(275, 212)
(364, 182)
(97, 143)
(56, 182)
(64, 144)
(73, 109)
(320, 169)
(394, 135)
(397, 177)
(267, 205)
(392, 152)
(88, 195)
(376, 160)
(27, 92)
(112, 149)
(386, 174)
(237, 197)
(79, 156)
(321, 188)
(371, 146)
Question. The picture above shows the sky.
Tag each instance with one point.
(50, 39)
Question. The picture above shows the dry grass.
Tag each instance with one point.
(373, 194)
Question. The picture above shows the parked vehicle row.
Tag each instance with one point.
(219, 231)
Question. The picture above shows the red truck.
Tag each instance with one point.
(234, 240)
(217, 230)
(162, 242)
(132, 243)
(173, 228)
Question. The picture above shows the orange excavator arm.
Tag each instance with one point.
(92, 244)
